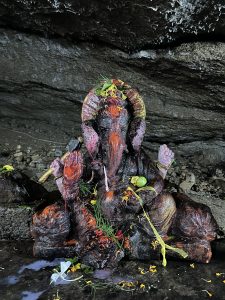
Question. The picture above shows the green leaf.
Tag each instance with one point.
(73, 260)
(106, 85)
(146, 188)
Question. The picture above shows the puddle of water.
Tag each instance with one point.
(35, 266)
(40, 264)
(9, 280)
(102, 274)
(28, 295)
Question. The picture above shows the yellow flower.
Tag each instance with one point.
(142, 286)
(93, 202)
(75, 268)
(119, 108)
(126, 284)
(125, 198)
(223, 281)
(192, 266)
(154, 244)
(152, 269)
(142, 271)
(219, 274)
(89, 282)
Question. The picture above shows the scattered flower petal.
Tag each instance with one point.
(209, 281)
(209, 294)
(219, 274)
(75, 268)
(142, 271)
(152, 269)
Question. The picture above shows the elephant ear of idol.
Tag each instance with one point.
(89, 111)
(91, 106)
(138, 124)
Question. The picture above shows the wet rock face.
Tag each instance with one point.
(124, 24)
(43, 83)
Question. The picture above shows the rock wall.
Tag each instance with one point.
(127, 24)
(44, 81)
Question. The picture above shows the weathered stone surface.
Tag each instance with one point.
(11, 189)
(17, 189)
(124, 24)
(43, 83)
(216, 205)
(15, 223)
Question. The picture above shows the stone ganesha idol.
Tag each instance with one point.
(126, 212)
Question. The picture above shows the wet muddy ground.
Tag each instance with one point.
(23, 277)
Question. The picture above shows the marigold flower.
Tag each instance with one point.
(219, 274)
(142, 271)
(126, 284)
(75, 268)
(152, 269)
(142, 286)
(155, 244)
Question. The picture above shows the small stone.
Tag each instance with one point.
(32, 164)
(51, 154)
(18, 148)
(21, 167)
(28, 160)
(18, 154)
(72, 145)
(187, 184)
(29, 150)
(19, 159)
(58, 153)
(40, 166)
(35, 157)
(219, 173)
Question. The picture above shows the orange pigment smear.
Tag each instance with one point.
(70, 243)
(114, 111)
(114, 141)
(89, 219)
(47, 210)
(109, 195)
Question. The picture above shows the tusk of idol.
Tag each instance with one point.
(106, 180)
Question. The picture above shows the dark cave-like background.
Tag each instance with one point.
(52, 52)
